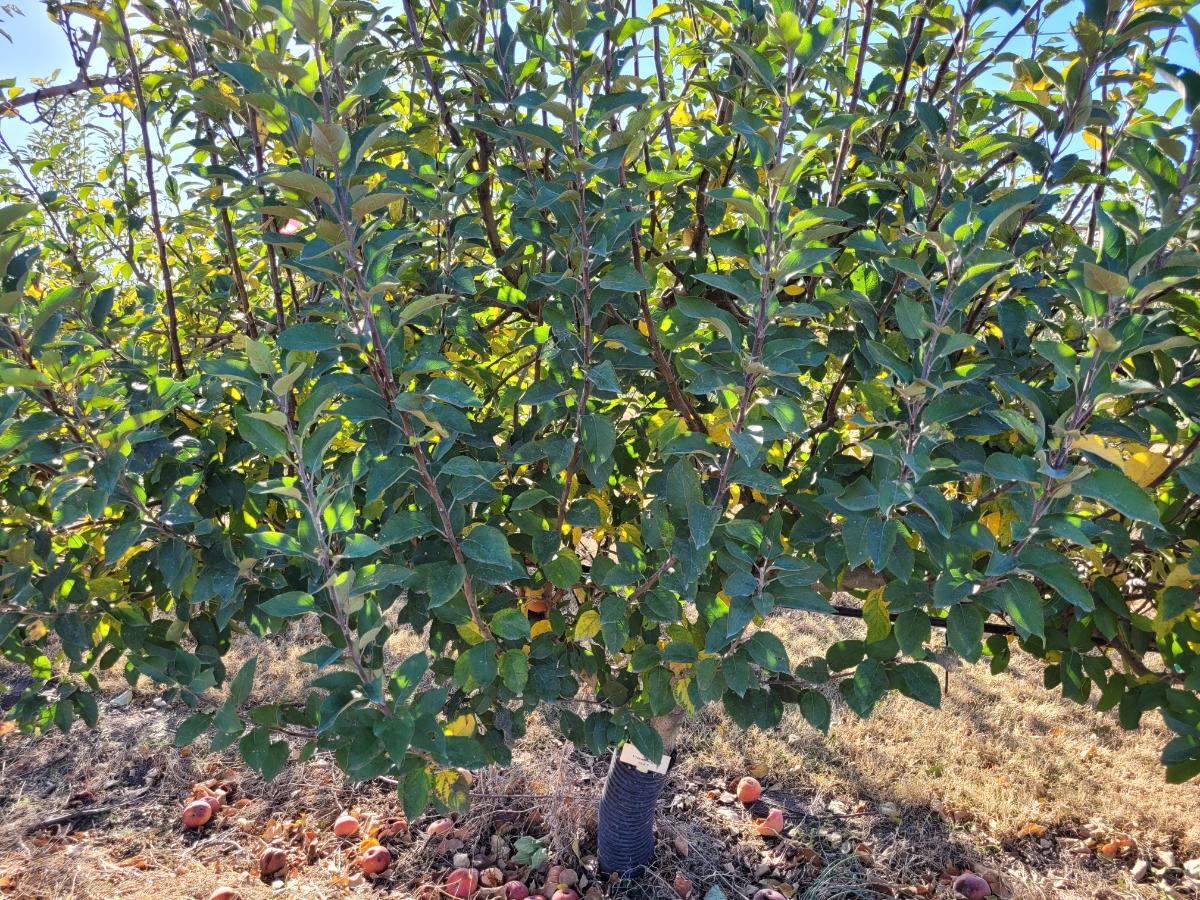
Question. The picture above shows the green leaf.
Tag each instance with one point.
(453, 392)
(626, 279)
(263, 437)
(239, 688)
(302, 183)
(414, 792)
(309, 336)
(487, 545)
(598, 439)
(646, 739)
(866, 688)
(395, 733)
(768, 651)
(406, 678)
(292, 603)
(564, 571)
(1175, 601)
(918, 681)
(191, 728)
(815, 709)
(511, 625)
(1120, 492)
(964, 631)
(1024, 606)
(514, 670)
(913, 631)
(612, 102)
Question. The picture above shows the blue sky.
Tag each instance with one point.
(38, 47)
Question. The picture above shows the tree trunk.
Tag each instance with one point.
(625, 824)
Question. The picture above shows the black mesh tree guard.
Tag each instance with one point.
(625, 827)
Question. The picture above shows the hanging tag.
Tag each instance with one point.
(632, 756)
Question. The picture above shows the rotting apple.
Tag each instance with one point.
(972, 886)
(197, 813)
(272, 861)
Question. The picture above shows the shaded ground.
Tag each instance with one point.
(1045, 798)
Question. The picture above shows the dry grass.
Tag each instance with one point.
(1000, 754)
(1002, 749)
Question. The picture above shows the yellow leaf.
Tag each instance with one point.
(587, 626)
(470, 633)
(1145, 465)
(997, 523)
(1096, 446)
(680, 689)
(718, 423)
(120, 99)
(1179, 576)
(463, 726)
(877, 616)
(451, 787)
(1140, 463)
(540, 627)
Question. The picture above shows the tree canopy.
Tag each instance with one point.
(584, 337)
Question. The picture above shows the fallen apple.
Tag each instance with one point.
(771, 826)
(769, 894)
(462, 882)
(345, 825)
(439, 826)
(375, 859)
(224, 893)
(491, 877)
(565, 894)
(683, 886)
(972, 886)
(197, 813)
(748, 790)
(564, 876)
(272, 861)
(516, 890)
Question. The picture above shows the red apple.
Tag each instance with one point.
(375, 859)
(345, 825)
(461, 883)
(439, 826)
(748, 790)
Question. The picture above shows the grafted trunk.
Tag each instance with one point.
(625, 823)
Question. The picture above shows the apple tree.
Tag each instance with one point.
(591, 340)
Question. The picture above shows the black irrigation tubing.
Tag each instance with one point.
(853, 612)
